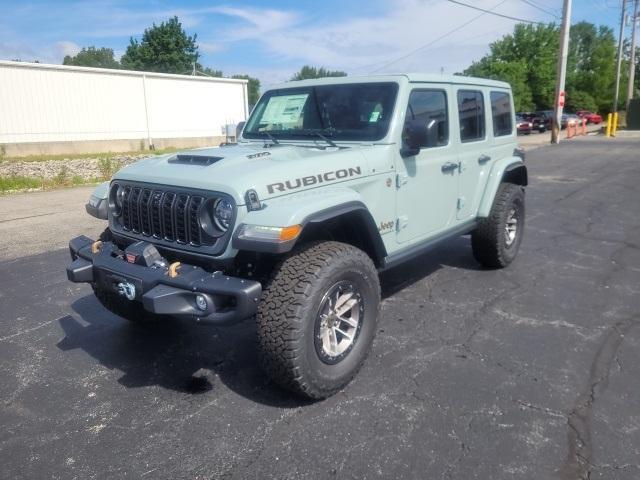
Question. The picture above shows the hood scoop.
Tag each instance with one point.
(204, 160)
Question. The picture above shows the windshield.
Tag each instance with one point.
(348, 112)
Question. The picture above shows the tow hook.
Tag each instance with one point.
(127, 290)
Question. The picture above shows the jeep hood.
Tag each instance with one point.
(272, 171)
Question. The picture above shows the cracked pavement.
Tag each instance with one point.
(525, 373)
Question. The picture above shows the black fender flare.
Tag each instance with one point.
(516, 173)
(355, 211)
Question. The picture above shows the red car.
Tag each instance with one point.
(523, 126)
(590, 117)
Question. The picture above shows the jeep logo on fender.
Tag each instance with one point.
(314, 179)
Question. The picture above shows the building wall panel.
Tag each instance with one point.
(53, 103)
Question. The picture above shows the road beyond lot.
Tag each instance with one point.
(525, 373)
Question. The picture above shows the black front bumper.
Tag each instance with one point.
(228, 299)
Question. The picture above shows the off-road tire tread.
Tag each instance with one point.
(279, 319)
(487, 238)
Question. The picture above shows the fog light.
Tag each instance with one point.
(201, 302)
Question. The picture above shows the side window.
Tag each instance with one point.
(430, 107)
(501, 111)
(471, 114)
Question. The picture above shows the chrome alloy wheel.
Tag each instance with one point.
(338, 321)
(511, 227)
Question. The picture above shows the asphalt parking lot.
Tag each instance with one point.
(525, 373)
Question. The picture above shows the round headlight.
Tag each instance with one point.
(223, 214)
(119, 195)
(116, 196)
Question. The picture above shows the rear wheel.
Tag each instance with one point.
(317, 318)
(496, 240)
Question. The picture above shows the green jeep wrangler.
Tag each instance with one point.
(332, 181)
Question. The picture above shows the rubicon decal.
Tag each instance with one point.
(314, 179)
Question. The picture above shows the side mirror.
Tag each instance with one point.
(414, 136)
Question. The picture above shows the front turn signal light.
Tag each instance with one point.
(263, 233)
(290, 233)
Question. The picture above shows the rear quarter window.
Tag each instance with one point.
(501, 114)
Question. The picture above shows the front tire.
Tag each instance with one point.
(496, 240)
(317, 318)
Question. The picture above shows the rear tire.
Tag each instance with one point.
(496, 240)
(319, 291)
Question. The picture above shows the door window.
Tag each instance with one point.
(501, 112)
(430, 107)
(471, 114)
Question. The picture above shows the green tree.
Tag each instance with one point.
(591, 67)
(308, 72)
(164, 48)
(253, 88)
(527, 60)
(513, 72)
(208, 71)
(92, 57)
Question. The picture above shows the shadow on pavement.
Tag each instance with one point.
(180, 356)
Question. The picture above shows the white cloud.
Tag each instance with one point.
(51, 53)
(18, 51)
(368, 43)
(388, 40)
(210, 47)
(261, 22)
(66, 48)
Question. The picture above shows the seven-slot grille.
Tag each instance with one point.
(170, 216)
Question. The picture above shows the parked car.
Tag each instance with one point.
(570, 119)
(332, 181)
(590, 117)
(537, 123)
(523, 126)
(546, 117)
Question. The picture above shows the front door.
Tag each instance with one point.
(427, 183)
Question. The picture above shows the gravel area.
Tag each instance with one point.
(87, 168)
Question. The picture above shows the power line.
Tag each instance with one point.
(435, 40)
(517, 19)
(473, 37)
(534, 5)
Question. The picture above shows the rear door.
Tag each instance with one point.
(474, 152)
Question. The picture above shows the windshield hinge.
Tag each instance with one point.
(401, 179)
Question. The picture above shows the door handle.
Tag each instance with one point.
(449, 166)
(483, 159)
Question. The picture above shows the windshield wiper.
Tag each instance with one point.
(273, 139)
(320, 135)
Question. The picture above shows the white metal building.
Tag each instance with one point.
(63, 109)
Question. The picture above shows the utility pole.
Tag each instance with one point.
(632, 60)
(561, 71)
(619, 62)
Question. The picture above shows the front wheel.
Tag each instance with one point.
(496, 239)
(317, 318)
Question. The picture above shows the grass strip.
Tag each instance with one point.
(17, 183)
(75, 156)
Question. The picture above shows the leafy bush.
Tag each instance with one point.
(106, 167)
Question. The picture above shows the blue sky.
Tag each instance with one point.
(273, 39)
